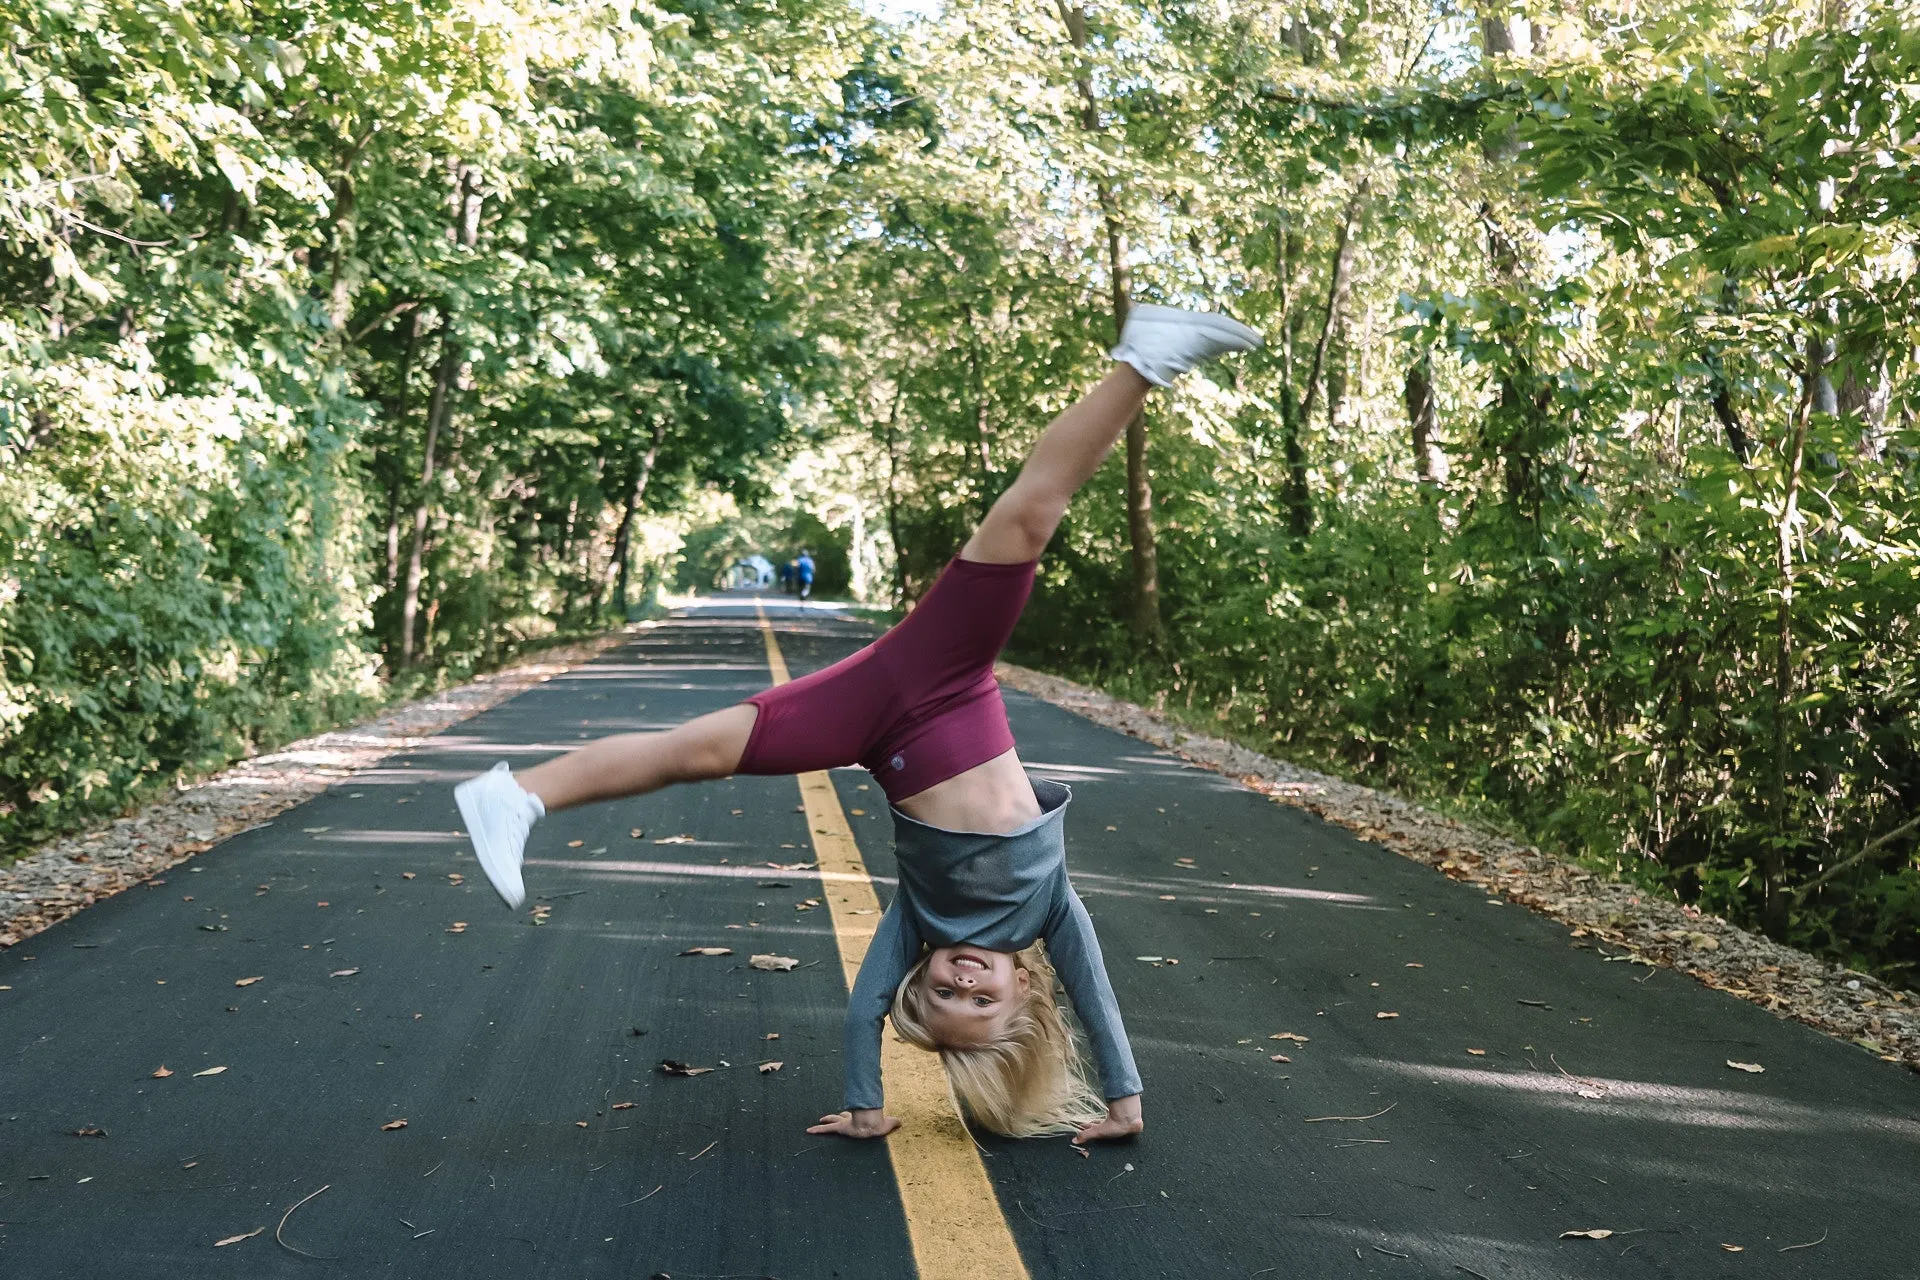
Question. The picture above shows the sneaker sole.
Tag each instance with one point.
(1211, 321)
(488, 857)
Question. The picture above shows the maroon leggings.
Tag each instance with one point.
(916, 706)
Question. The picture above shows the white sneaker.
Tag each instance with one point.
(1164, 342)
(498, 814)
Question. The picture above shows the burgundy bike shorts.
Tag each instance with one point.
(914, 708)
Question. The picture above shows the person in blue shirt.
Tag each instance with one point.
(803, 573)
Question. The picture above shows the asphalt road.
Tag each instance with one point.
(388, 991)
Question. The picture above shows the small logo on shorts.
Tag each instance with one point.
(898, 762)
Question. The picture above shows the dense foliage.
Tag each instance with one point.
(341, 340)
(1575, 484)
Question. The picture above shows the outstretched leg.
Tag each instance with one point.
(632, 764)
(1022, 520)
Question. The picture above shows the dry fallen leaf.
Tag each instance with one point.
(210, 1071)
(458, 926)
(681, 839)
(1278, 1057)
(707, 951)
(1751, 1067)
(1734, 1248)
(1478, 1053)
(669, 1067)
(90, 1131)
(237, 1239)
(391, 1125)
(579, 1124)
(246, 982)
(162, 1073)
(1167, 897)
(1294, 1036)
(1386, 1015)
(858, 813)
(768, 1068)
(623, 1106)
(771, 1035)
(637, 832)
(455, 877)
(406, 875)
(1413, 965)
(1148, 959)
(343, 973)
(775, 964)
(1594, 1233)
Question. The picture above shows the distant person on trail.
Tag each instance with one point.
(966, 958)
(786, 577)
(803, 573)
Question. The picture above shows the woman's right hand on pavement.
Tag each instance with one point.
(857, 1124)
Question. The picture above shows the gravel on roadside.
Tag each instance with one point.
(1621, 921)
(61, 877)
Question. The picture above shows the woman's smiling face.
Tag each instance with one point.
(970, 991)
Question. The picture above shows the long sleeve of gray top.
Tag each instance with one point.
(895, 947)
(1075, 952)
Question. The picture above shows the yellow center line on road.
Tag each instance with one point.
(953, 1218)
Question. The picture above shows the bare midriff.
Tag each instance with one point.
(994, 798)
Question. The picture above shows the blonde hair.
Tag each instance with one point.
(1029, 1081)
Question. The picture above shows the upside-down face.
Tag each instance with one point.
(970, 991)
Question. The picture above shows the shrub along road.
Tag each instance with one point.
(194, 1059)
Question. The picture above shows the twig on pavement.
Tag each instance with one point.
(317, 1257)
(1382, 1111)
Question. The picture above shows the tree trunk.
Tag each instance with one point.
(339, 289)
(440, 408)
(1336, 300)
(1503, 34)
(622, 541)
(437, 410)
(977, 391)
(1140, 532)
(1299, 501)
(1288, 246)
(893, 502)
(1776, 900)
(393, 534)
(1429, 460)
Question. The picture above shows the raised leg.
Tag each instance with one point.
(1158, 345)
(632, 764)
(1021, 522)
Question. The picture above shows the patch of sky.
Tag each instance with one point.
(901, 12)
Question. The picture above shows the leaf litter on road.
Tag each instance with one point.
(707, 951)
(247, 1235)
(772, 963)
(669, 1067)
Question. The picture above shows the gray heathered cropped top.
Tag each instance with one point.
(999, 892)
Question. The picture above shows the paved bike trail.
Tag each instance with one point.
(388, 991)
